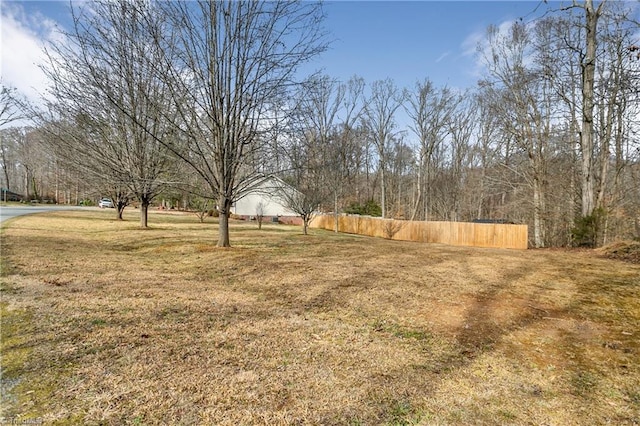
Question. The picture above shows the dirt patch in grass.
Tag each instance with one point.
(107, 323)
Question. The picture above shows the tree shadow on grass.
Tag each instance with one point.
(482, 329)
(576, 346)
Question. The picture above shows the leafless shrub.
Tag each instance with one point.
(391, 227)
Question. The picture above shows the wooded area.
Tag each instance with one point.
(192, 101)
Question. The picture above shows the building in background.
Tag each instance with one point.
(264, 199)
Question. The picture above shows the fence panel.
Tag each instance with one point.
(453, 233)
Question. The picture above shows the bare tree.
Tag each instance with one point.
(8, 156)
(9, 105)
(317, 108)
(559, 54)
(201, 206)
(29, 154)
(103, 78)
(9, 113)
(235, 63)
(588, 63)
(303, 189)
(461, 128)
(587, 60)
(587, 48)
(327, 112)
(344, 149)
(484, 155)
(380, 108)
(305, 204)
(525, 107)
(430, 109)
(400, 169)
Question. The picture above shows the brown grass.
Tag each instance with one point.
(104, 323)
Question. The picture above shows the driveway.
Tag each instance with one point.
(11, 211)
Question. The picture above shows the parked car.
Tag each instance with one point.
(105, 203)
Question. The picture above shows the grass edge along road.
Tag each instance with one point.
(106, 323)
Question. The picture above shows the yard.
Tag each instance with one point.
(106, 323)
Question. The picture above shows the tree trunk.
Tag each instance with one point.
(616, 191)
(144, 209)
(36, 194)
(120, 209)
(6, 173)
(57, 187)
(483, 172)
(538, 208)
(604, 162)
(224, 206)
(613, 117)
(588, 79)
(382, 191)
(305, 225)
(427, 191)
(335, 211)
(416, 205)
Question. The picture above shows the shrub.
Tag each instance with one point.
(586, 229)
(391, 227)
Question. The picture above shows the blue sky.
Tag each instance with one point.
(412, 40)
(405, 41)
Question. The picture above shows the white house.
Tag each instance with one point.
(264, 196)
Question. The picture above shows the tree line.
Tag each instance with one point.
(197, 101)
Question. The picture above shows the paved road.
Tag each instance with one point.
(9, 212)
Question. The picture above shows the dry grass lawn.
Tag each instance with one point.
(105, 323)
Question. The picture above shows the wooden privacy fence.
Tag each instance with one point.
(495, 235)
